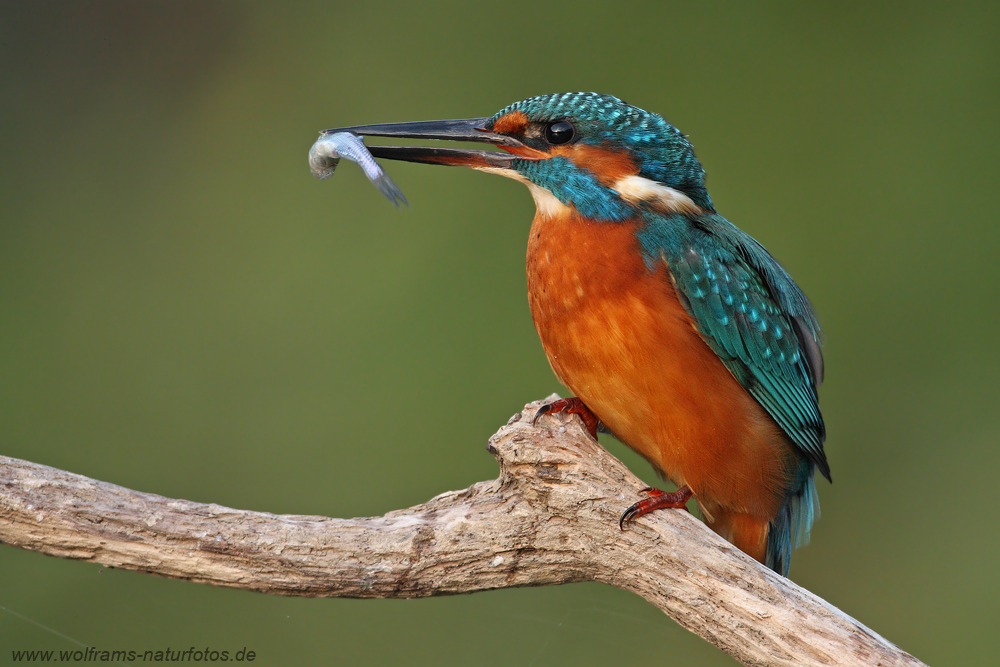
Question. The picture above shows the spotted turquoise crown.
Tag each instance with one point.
(661, 151)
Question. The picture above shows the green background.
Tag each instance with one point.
(185, 310)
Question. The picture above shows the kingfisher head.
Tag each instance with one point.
(584, 152)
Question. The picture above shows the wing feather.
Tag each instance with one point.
(751, 314)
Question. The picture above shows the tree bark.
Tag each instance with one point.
(550, 518)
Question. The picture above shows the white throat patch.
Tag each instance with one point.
(546, 203)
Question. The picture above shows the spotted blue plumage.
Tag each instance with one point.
(743, 303)
(661, 151)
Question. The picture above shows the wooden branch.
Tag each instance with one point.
(550, 518)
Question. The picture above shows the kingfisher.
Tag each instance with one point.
(676, 331)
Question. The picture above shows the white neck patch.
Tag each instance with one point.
(637, 189)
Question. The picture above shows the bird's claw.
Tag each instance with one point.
(657, 499)
(572, 405)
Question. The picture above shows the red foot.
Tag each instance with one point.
(657, 500)
(572, 405)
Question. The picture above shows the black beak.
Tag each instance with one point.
(472, 129)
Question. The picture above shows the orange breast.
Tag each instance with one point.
(616, 334)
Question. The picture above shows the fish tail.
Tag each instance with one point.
(391, 191)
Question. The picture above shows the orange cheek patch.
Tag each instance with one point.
(607, 165)
(514, 122)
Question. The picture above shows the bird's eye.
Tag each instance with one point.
(559, 132)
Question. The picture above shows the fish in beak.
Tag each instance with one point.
(470, 129)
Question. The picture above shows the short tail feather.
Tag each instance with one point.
(790, 528)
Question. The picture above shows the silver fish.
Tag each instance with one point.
(329, 148)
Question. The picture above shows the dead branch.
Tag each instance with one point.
(550, 518)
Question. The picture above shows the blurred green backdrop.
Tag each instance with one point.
(185, 310)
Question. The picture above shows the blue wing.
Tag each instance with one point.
(752, 314)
